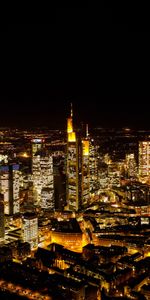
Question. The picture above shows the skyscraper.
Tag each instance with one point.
(37, 145)
(30, 229)
(85, 169)
(144, 158)
(10, 187)
(78, 167)
(4, 186)
(93, 166)
(131, 165)
(42, 174)
(2, 228)
(72, 170)
(14, 187)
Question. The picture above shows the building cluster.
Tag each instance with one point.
(74, 214)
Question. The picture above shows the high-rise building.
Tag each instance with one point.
(78, 168)
(2, 228)
(131, 165)
(10, 187)
(59, 185)
(47, 198)
(14, 186)
(144, 158)
(72, 170)
(4, 186)
(42, 173)
(37, 145)
(30, 229)
(93, 166)
(85, 170)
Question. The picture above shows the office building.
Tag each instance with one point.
(37, 145)
(81, 172)
(43, 178)
(2, 228)
(72, 171)
(93, 166)
(131, 165)
(85, 171)
(47, 198)
(10, 187)
(14, 186)
(144, 158)
(30, 229)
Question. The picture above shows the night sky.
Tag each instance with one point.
(82, 55)
(52, 110)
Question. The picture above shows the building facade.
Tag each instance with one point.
(2, 223)
(10, 188)
(43, 178)
(30, 229)
(78, 168)
(72, 170)
(144, 158)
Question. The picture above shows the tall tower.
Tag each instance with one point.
(2, 228)
(144, 158)
(30, 229)
(43, 178)
(72, 193)
(14, 188)
(131, 165)
(93, 166)
(36, 146)
(9, 187)
(85, 170)
(81, 167)
(4, 186)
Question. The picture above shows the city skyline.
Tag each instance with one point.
(74, 208)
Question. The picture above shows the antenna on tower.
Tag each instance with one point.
(87, 130)
(71, 110)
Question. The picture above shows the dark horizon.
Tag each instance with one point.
(52, 111)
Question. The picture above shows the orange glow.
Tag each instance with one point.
(69, 125)
(25, 155)
(86, 147)
(71, 137)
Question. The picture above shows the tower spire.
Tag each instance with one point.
(87, 130)
(71, 110)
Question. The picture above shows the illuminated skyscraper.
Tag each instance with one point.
(85, 170)
(47, 198)
(144, 158)
(72, 167)
(2, 228)
(14, 186)
(93, 166)
(4, 186)
(30, 229)
(131, 165)
(9, 187)
(37, 145)
(43, 178)
(81, 171)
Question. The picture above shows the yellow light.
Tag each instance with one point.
(71, 137)
(25, 154)
(69, 125)
(85, 147)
